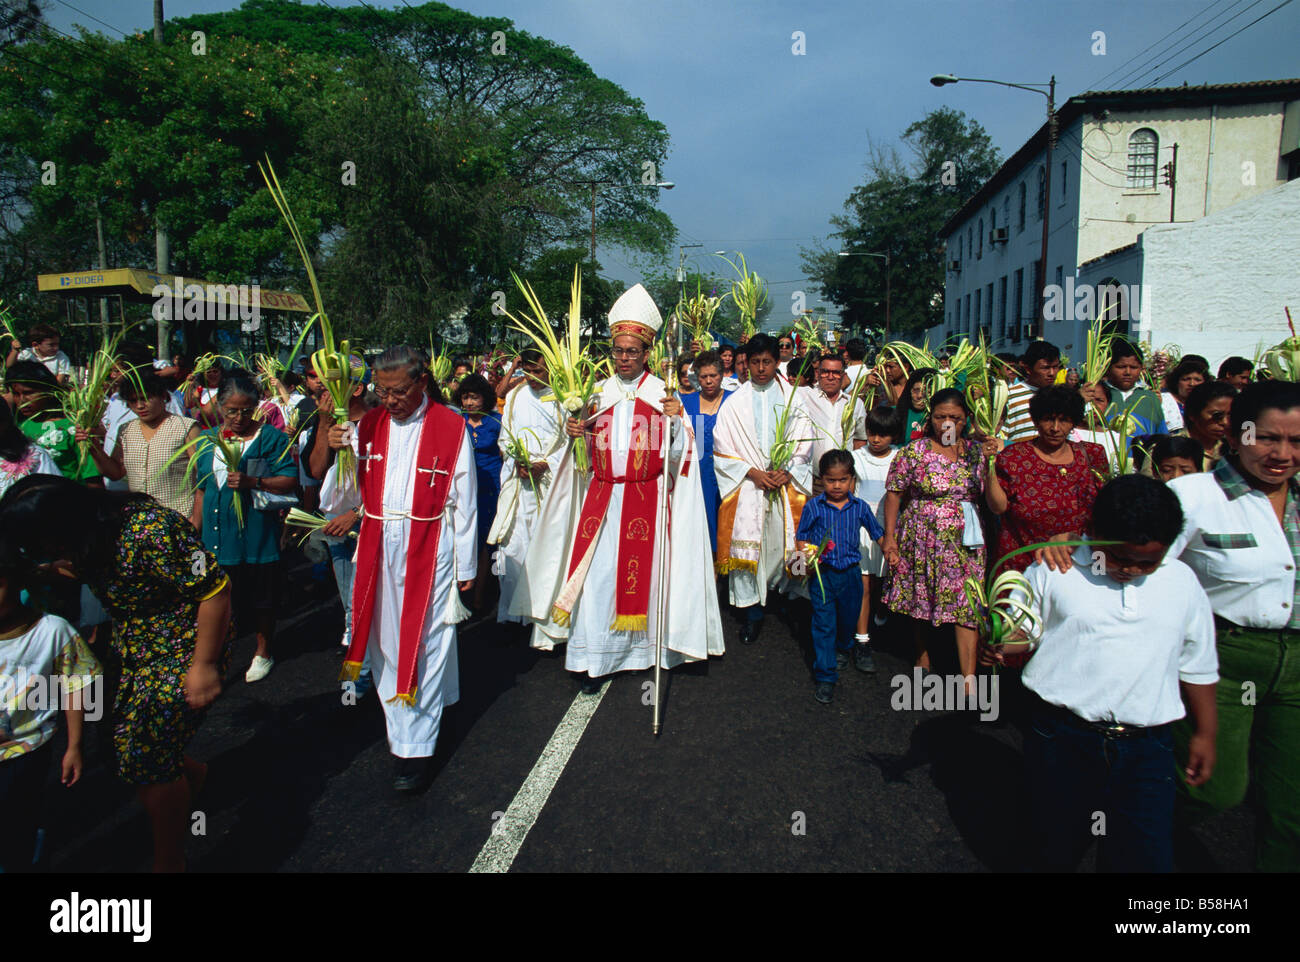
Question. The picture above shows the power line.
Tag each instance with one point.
(1095, 84)
(1135, 77)
(1220, 43)
(92, 17)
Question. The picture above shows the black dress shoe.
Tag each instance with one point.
(749, 632)
(824, 692)
(412, 774)
(591, 686)
(841, 660)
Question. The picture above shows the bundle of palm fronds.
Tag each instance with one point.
(573, 373)
(848, 420)
(808, 329)
(749, 294)
(986, 396)
(333, 362)
(7, 327)
(440, 364)
(1282, 361)
(311, 523)
(784, 443)
(84, 402)
(697, 313)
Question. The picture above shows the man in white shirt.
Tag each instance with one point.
(1122, 631)
(824, 406)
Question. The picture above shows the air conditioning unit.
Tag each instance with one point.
(954, 266)
(998, 235)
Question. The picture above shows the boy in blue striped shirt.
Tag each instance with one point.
(837, 515)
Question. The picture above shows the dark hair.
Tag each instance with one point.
(1057, 400)
(49, 518)
(684, 359)
(1137, 509)
(133, 388)
(949, 395)
(833, 457)
(1233, 366)
(763, 344)
(857, 349)
(1164, 446)
(462, 361)
(1121, 348)
(475, 384)
(40, 332)
(883, 419)
(32, 372)
(920, 374)
(1260, 396)
(1180, 370)
(709, 359)
(530, 355)
(1040, 351)
(13, 443)
(830, 356)
(291, 379)
(233, 384)
(1199, 360)
(1201, 395)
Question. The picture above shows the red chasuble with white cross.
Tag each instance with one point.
(441, 435)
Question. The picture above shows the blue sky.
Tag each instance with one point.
(767, 144)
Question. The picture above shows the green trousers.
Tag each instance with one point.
(1258, 698)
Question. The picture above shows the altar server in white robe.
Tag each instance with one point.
(416, 477)
(591, 574)
(538, 425)
(761, 502)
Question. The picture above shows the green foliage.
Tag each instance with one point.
(900, 210)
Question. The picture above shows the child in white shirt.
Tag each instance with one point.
(871, 465)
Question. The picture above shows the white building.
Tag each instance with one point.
(1216, 286)
(1234, 142)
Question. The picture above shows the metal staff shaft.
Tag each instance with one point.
(661, 536)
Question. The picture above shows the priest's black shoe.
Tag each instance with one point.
(591, 686)
(749, 632)
(413, 774)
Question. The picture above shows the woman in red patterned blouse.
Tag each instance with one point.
(1044, 488)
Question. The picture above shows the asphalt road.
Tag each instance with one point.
(749, 773)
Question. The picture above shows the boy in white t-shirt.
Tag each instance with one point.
(44, 666)
(1123, 629)
(871, 465)
(43, 348)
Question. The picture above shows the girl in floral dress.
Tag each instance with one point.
(19, 455)
(933, 540)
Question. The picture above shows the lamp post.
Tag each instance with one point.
(942, 79)
(595, 187)
(885, 255)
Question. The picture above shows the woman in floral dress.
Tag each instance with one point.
(931, 494)
(19, 455)
(170, 603)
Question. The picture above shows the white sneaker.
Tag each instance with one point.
(259, 669)
(347, 639)
(879, 620)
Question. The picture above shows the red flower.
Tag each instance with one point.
(830, 545)
(228, 434)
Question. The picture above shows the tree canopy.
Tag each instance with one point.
(426, 153)
(899, 210)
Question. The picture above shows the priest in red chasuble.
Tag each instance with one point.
(591, 573)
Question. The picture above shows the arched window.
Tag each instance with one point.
(1020, 223)
(980, 250)
(1042, 192)
(1143, 146)
(1113, 307)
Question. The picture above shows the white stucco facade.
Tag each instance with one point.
(1234, 143)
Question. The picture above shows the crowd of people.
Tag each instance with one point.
(1154, 515)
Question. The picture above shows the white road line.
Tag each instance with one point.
(509, 832)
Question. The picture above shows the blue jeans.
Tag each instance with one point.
(1085, 786)
(344, 571)
(835, 616)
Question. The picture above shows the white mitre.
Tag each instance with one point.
(635, 313)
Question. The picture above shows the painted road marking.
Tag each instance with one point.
(498, 853)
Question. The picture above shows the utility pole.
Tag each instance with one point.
(1171, 178)
(162, 248)
(1041, 312)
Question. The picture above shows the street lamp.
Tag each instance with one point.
(681, 267)
(942, 79)
(596, 185)
(885, 255)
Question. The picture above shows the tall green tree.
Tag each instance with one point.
(899, 211)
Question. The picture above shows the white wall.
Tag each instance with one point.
(1218, 286)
